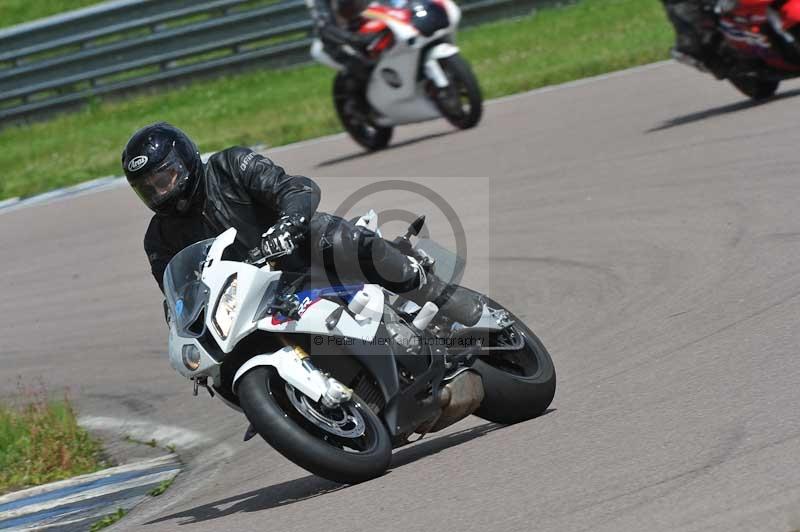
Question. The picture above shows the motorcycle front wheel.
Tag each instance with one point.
(352, 109)
(461, 102)
(346, 444)
(519, 380)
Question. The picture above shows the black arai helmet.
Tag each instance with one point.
(163, 166)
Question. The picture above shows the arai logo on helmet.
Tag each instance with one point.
(137, 163)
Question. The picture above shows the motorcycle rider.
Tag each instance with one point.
(696, 32)
(697, 36)
(336, 25)
(272, 211)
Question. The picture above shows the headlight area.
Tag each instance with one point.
(227, 308)
(191, 357)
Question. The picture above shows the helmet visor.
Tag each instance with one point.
(163, 183)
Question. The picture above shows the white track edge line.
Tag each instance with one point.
(95, 493)
(85, 479)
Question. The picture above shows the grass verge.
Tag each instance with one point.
(41, 442)
(108, 520)
(279, 107)
(18, 11)
(161, 488)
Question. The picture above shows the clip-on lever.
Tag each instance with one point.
(256, 257)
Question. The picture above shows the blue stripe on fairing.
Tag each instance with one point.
(345, 292)
(71, 490)
(76, 507)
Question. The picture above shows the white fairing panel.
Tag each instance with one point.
(220, 245)
(251, 283)
(313, 314)
(407, 103)
(416, 108)
(208, 366)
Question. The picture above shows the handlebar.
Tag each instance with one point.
(256, 257)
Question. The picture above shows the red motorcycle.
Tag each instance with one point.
(758, 44)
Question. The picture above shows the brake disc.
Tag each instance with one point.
(347, 423)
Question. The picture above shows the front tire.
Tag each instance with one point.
(518, 385)
(461, 102)
(755, 88)
(265, 399)
(352, 109)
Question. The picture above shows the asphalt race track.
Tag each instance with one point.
(645, 225)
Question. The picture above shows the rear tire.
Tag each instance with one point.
(513, 395)
(360, 128)
(755, 88)
(461, 103)
(263, 397)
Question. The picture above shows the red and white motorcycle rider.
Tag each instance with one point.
(397, 65)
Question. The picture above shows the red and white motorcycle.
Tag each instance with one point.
(418, 75)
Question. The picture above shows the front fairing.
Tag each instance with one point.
(255, 288)
(187, 300)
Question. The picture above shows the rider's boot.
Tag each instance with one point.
(457, 303)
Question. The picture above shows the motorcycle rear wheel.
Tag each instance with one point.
(461, 103)
(265, 399)
(518, 385)
(361, 129)
(755, 88)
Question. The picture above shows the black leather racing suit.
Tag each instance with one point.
(242, 189)
(695, 28)
(344, 44)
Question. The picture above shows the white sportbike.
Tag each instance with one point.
(335, 376)
(418, 74)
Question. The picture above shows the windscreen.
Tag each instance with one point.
(187, 296)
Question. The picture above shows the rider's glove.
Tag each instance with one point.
(283, 237)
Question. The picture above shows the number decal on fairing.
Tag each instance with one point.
(309, 297)
(304, 305)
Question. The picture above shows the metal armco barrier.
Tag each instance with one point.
(125, 44)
